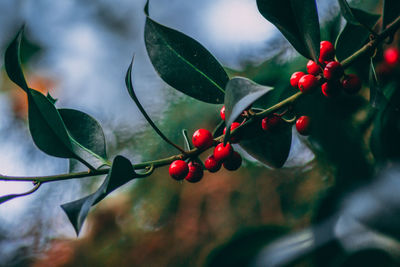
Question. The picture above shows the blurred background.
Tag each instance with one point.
(79, 51)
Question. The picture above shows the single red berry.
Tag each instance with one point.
(202, 139)
(330, 89)
(294, 79)
(195, 172)
(236, 138)
(351, 84)
(222, 152)
(178, 169)
(307, 83)
(222, 113)
(391, 56)
(303, 125)
(233, 162)
(333, 70)
(270, 122)
(313, 68)
(211, 164)
(326, 51)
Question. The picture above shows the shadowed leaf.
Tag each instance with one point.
(297, 20)
(120, 173)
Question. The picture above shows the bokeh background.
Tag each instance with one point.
(79, 51)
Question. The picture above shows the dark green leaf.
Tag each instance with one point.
(86, 131)
(146, 8)
(46, 126)
(353, 37)
(120, 173)
(131, 91)
(298, 22)
(12, 61)
(185, 64)
(269, 147)
(240, 94)
(391, 10)
(50, 134)
(347, 12)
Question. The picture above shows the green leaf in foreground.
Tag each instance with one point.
(269, 147)
(184, 63)
(240, 94)
(85, 130)
(376, 96)
(297, 20)
(12, 61)
(353, 37)
(120, 173)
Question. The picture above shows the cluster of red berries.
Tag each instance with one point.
(328, 72)
(222, 156)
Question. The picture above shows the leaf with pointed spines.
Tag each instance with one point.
(120, 173)
(184, 63)
(297, 20)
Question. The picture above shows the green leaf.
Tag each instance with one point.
(50, 134)
(46, 126)
(120, 173)
(347, 13)
(240, 93)
(297, 20)
(185, 64)
(269, 147)
(131, 91)
(353, 37)
(12, 61)
(391, 10)
(86, 131)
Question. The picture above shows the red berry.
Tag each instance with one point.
(178, 169)
(307, 83)
(326, 51)
(391, 56)
(270, 122)
(313, 68)
(303, 125)
(294, 79)
(330, 89)
(222, 113)
(211, 164)
(233, 162)
(195, 172)
(202, 139)
(222, 152)
(234, 125)
(351, 84)
(333, 70)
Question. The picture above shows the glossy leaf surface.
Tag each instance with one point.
(184, 63)
(297, 20)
